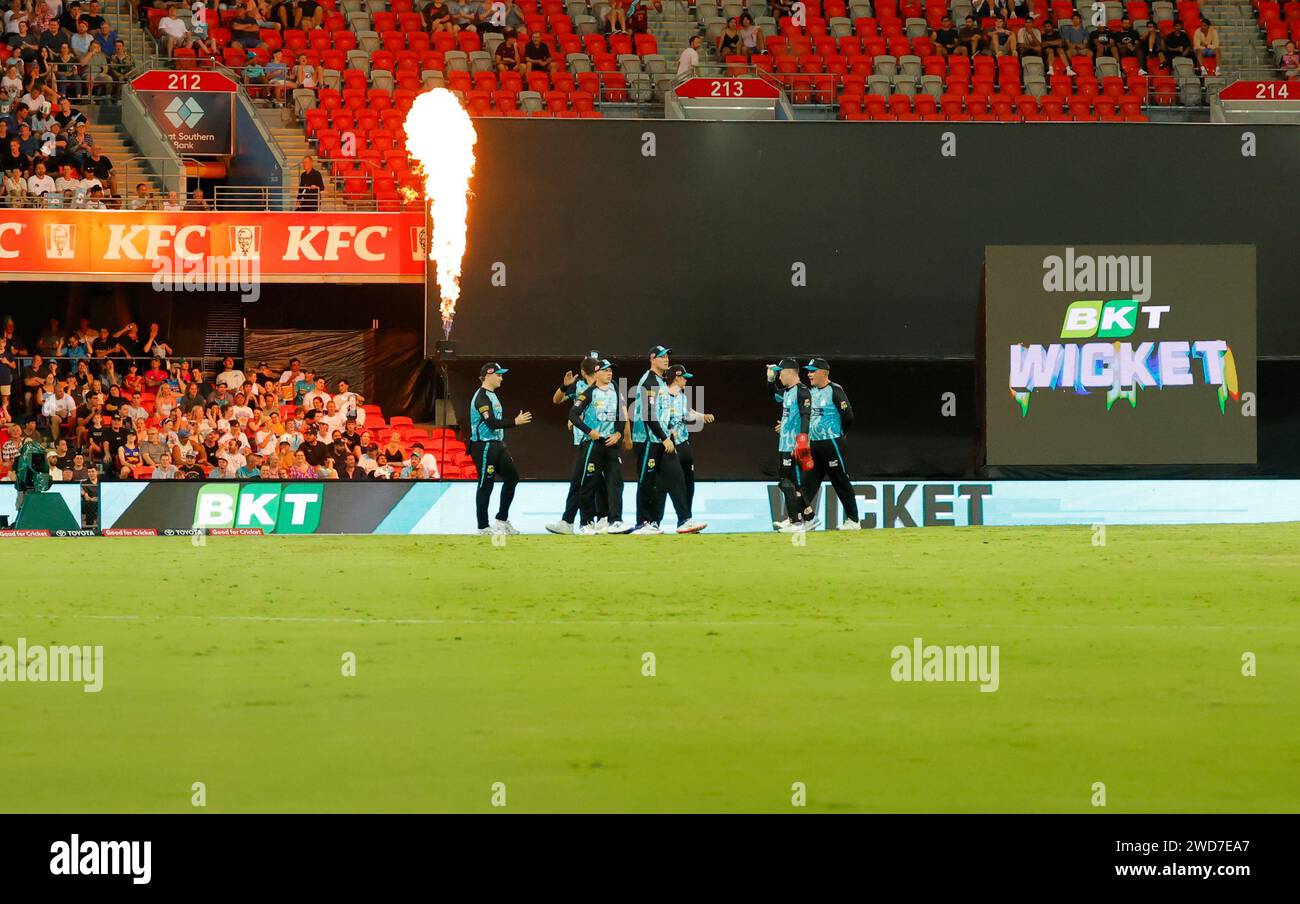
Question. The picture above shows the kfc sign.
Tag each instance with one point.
(129, 246)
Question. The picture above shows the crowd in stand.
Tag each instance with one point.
(56, 54)
(120, 405)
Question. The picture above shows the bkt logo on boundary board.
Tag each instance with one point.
(292, 508)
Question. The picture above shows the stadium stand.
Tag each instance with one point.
(121, 405)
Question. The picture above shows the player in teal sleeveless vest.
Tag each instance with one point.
(570, 387)
(599, 412)
(487, 446)
(792, 395)
(675, 416)
(832, 416)
(646, 445)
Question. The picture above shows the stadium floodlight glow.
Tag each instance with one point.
(441, 137)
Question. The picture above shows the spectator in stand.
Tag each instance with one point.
(53, 38)
(165, 470)
(15, 188)
(1178, 45)
(467, 14)
(40, 182)
(422, 466)
(318, 391)
(276, 74)
(1149, 48)
(144, 197)
(58, 409)
(231, 377)
(173, 32)
(728, 42)
(244, 30)
(351, 470)
(382, 469)
(304, 74)
(1128, 41)
(616, 17)
(190, 469)
(1290, 62)
(302, 469)
(172, 203)
(129, 456)
(1101, 43)
(507, 55)
(1205, 42)
(310, 186)
(197, 201)
(537, 56)
(8, 374)
(437, 17)
(945, 37)
(101, 168)
(1029, 41)
(982, 10)
(690, 57)
(1053, 46)
(308, 14)
(1002, 40)
(751, 36)
(1076, 40)
(971, 38)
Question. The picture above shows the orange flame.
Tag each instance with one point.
(440, 136)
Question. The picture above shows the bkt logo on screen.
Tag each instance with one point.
(276, 508)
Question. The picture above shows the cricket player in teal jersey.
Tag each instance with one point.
(676, 471)
(832, 416)
(599, 412)
(792, 395)
(487, 446)
(570, 387)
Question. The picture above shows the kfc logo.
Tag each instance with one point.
(60, 241)
(419, 243)
(245, 242)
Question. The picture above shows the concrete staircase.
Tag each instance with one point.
(1243, 51)
(106, 132)
(292, 138)
(673, 28)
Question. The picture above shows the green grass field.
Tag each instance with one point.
(523, 665)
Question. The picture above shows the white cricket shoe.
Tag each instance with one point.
(560, 527)
(846, 524)
(781, 525)
(649, 529)
(602, 525)
(485, 532)
(588, 530)
(794, 527)
(618, 527)
(691, 527)
(504, 527)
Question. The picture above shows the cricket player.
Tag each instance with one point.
(832, 416)
(643, 444)
(790, 392)
(487, 445)
(675, 476)
(600, 414)
(569, 389)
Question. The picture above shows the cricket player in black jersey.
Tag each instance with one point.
(832, 416)
(488, 448)
(570, 387)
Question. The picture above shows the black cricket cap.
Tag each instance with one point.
(660, 351)
(677, 371)
(491, 367)
(788, 363)
(817, 364)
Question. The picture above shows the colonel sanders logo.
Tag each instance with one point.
(60, 241)
(245, 242)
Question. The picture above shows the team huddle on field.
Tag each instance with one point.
(655, 423)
